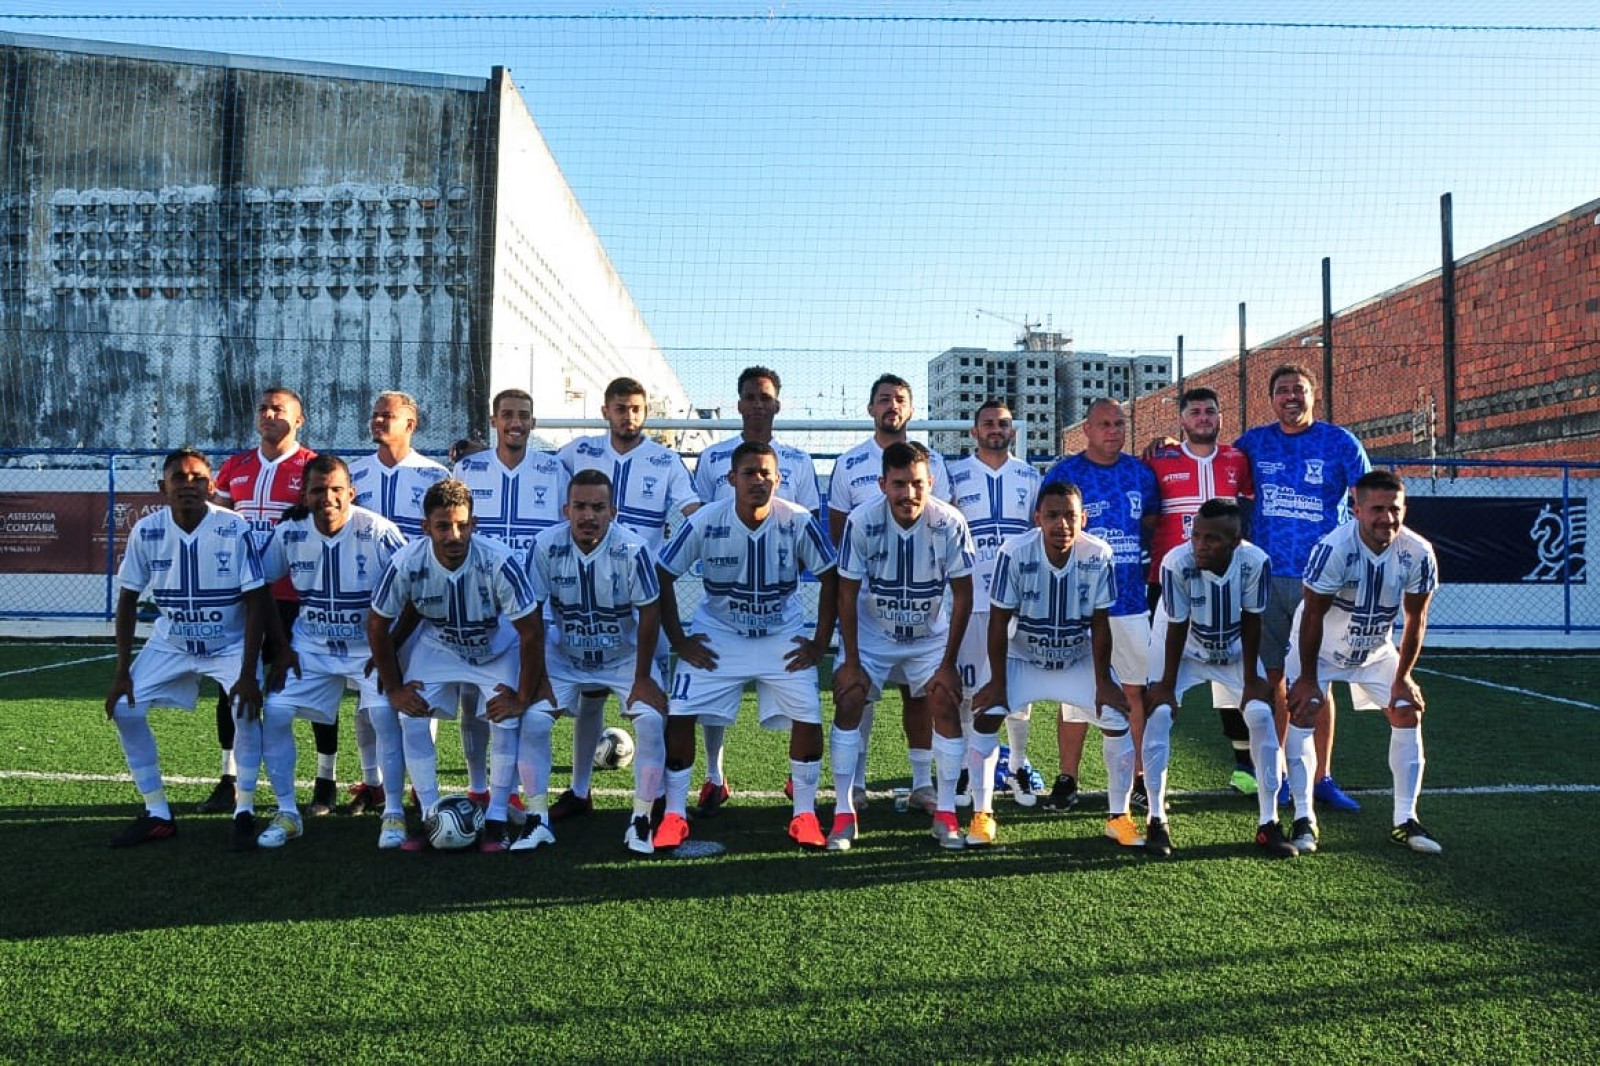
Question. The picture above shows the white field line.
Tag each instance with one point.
(1463, 790)
(56, 666)
(1510, 688)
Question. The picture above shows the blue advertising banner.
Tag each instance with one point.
(1500, 540)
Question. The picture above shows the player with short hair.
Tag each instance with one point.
(749, 628)
(599, 583)
(995, 494)
(1049, 638)
(650, 486)
(1119, 507)
(758, 388)
(1303, 470)
(1188, 473)
(1208, 628)
(517, 493)
(1360, 579)
(856, 480)
(334, 552)
(199, 563)
(260, 485)
(391, 482)
(462, 586)
(898, 556)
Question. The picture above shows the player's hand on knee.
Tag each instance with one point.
(1306, 703)
(993, 694)
(408, 700)
(504, 704)
(695, 649)
(945, 686)
(1403, 715)
(245, 695)
(121, 689)
(647, 692)
(284, 663)
(849, 688)
(1158, 693)
(1108, 693)
(805, 654)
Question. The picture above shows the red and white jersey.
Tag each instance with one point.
(1185, 481)
(259, 490)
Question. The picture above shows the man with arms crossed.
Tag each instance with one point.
(758, 406)
(897, 556)
(334, 555)
(391, 481)
(1303, 471)
(1360, 579)
(1208, 628)
(599, 583)
(856, 480)
(1057, 584)
(200, 565)
(462, 586)
(749, 628)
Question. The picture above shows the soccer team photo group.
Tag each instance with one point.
(489, 600)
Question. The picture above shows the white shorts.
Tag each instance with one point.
(445, 675)
(316, 693)
(782, 697)
(912, 665)
(1130, 646)
(569, 684)
(1073, 687)
(1371, 683)
(164, 676)
(972, 661)
(1227, 679)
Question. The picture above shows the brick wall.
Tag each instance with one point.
(1527, 357)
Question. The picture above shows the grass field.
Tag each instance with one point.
(1055, 946)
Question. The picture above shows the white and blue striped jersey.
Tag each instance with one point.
(648, 484)
(334, 577)
(1214, 604)
(1368, 589)
(903, 572)
(396, 491)
(198, 580)
(996, 504)
(463, 610)
(856, 473)
(514, 505)
(795, 468)
(751, 577)
(1053, 606)
(593, 599)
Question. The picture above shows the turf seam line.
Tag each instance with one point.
(1509, 688)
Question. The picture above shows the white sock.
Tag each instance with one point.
(229, 767)
(649, 758)
(1018, 726)
(858, 779)
(391, 760)
(948, 754)
(983, 755)
(1264, 751)
(1157, 753)
(587, 726)
(1116, 749)
(139, 749)
(1300, 748)
(533, 761)
(367, 748)
(678, 791)
(327, 765)
(1405, 763)
(844, 746)
(277, 753)
(474, 741)
(248, 742)
(806, 777)
(715, 737)
(922, 766)
(504, 757)
(422, 761)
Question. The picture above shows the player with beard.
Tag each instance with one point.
(856, 479)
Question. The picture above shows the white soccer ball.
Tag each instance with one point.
(615, 749)
(454, 824)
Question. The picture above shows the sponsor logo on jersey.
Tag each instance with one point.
(1313, 471)
(650, 486)
(160, 565)
(223, 560)
(854, 461)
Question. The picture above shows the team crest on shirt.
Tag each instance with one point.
(1135, 505)
(361, 566)
(650, 486)
(223, 561)
(295, 483)
(539, 492)
(417, 492)
(1022, 496)
(1313, 471)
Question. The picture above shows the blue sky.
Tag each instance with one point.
(837, 196)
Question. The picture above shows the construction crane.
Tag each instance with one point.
(1030, 337)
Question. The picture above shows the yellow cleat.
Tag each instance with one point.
(982, 830)
(1124, 832)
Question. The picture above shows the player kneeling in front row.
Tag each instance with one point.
(1208, 628)
(1358, 579)
(1050, 639)
(201, 568)
(461, 585)
(600, 582)
(897, 555)
(334, 555)
(749, 627)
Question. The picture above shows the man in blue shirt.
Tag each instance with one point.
(1120, 505)
(1303, 471)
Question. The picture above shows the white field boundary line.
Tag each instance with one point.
(1461, 790)
(57, 666)
(1510, 688)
